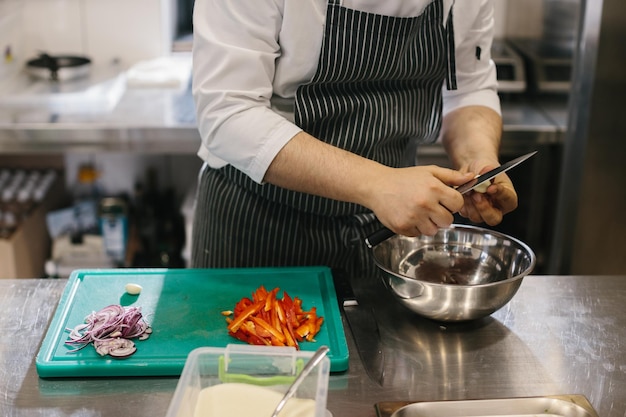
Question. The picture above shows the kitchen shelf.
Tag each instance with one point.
(163, 121)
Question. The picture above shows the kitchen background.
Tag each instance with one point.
(140, 48)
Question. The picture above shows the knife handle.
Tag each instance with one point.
(378, 236)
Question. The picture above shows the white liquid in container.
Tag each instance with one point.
(245, 400)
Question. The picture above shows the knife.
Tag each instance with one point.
(470, 185)
(385, 233)
(364, 329)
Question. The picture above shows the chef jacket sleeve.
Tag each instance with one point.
(234, 50)
(475, 71)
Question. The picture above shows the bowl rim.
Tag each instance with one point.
(527, 271)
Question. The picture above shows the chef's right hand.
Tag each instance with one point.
(418, 200)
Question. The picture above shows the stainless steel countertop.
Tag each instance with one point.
(143, 120)
(163, 120)
(559, 335)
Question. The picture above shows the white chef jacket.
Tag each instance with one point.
(250, 56)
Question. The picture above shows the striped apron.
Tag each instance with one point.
(377, 88)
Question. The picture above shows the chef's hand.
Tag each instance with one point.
(418, 200)
(491, 206)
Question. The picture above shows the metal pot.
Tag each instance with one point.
(58, 68)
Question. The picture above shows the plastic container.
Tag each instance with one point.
(114, 228)
(269, 367)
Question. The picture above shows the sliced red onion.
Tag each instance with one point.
(146, 333)
(110, 331)
(117, 347)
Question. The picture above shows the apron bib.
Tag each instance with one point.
(377, 87)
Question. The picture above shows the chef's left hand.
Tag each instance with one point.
(491, 206)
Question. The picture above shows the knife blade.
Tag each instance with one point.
(470, 185)
(364, 329)
(383, 234)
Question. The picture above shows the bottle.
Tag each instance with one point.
(8, 203)
(25, 196)
(8, 200)
(8, 224)
(86, 188)
(86, 198)
(113, 219)
(43, 186)
(5, 176)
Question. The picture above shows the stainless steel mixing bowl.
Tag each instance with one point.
(462, 273)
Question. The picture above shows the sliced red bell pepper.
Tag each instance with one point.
(265, 325)
(250, 310)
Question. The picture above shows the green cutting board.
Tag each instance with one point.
(184, 307)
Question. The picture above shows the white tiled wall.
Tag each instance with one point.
(53, 26)
(523, 18)
(127, 31)
(133, 30)
(10, 40)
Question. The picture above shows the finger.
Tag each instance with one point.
(471, 212)
(492, 216)
(427, 228)
(442, 218)
(486, 211)
(504, 197)
(451, 177)
(451, 200)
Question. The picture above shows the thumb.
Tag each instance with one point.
(452, 177)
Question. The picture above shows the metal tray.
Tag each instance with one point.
(549, 406)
